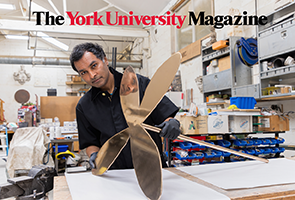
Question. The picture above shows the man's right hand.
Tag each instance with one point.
(92, 160)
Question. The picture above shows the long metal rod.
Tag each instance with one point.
(188, 139)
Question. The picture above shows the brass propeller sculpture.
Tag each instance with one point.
(145, 154)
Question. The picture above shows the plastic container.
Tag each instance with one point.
(275, 150)
(281, 149)
(259, 151)
(61, 148)
(265, 141)
(217, 153)
(249, 143)
(267, 150)
(190, 156)
(273, 141)
(209, 154)
(257, 142)
(250, 151)
(223, 143)
(280, 140)
(240, 142)
(243, 102)
(185, 145)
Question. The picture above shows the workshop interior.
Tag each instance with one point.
(225, 68)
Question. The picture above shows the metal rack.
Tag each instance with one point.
(276, 40)
(236, 81)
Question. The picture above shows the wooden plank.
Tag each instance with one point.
(289, 97)
(61, 190)
(190, 51)
(62, 107)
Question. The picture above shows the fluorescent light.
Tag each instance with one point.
(53, 41)
(6, 6)
(17, 37)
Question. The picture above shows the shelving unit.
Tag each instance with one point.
(275, 40)
(207, 155)
(75, 86)
(234, 81)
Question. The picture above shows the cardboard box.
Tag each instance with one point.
(273, 123)
(218, 124)
(240, 124)
(190, 51)
(224, 63)
(191, 125)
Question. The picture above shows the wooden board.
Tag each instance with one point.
(62, 107)
(190, 51)
(276, 192)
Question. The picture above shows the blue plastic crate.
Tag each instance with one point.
(61, 148)
(280, 140)
(194, 146)
(217, 153)
(281, 149)
(265, 141)
(275, 150)
(223, 143)
(249, 142)
(226, 154)
(240, 142)
(267, 150)
(257, 142)
(209, 154)
(198, 154)
(273, 141)
(259, 151)
(185, 145)
(243, 102)
(249, 151)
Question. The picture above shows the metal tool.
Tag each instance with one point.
(196, 141)
(34, 186)
(145, 154)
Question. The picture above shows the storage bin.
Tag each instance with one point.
(185, 145)
(249, 151)
(223, 143)
(257, 142)
(243, 102)
(61, 148)
(267, 150)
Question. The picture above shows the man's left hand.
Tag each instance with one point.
(170, 129)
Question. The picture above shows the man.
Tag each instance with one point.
(99, 113)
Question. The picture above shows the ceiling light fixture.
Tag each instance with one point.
(5, 6)
(53, 41)
(17, 37)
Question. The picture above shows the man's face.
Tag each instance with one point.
(94, 71)
(129, 84)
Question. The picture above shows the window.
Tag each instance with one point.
(191, 33)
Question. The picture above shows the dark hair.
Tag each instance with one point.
(80, 49)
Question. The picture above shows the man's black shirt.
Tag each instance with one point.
(100, 116)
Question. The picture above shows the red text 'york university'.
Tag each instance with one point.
(112, 19)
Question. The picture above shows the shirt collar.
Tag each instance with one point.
(117, 77)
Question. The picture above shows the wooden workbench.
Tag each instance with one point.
(276, 192)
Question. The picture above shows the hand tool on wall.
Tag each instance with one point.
(34, 186)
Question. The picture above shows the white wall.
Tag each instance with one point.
(42, 77)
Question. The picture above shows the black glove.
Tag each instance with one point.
(170, 129)
(92, 160)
